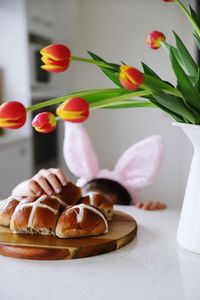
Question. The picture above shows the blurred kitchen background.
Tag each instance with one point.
(114, 29)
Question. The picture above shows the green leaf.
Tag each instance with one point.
(130, 104)
(168, 48)
(115, 67)
(197, 40)
(194, 16)
(184, 83)
(101, 95)
(190, 17)
(112, 74)
(148, 71)
(92, 96)
(187, 61)
(197, 83)
(176, 105)
(166, 108)
(158, 84)
(114, 100)
(177, 117)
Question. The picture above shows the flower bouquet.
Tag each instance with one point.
(134, 88)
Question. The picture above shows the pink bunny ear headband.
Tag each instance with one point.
(135, 169)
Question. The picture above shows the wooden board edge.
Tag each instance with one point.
(42, 253)
(32, 253)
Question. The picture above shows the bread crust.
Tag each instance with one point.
(7, 209)
(80, 221)
(58, 214)
(70, 194)
(35, 215)
(100, 201)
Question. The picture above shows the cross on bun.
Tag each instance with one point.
(80, 221)
(99, 200)
(35, 215)
(70, 194)
(7, 208)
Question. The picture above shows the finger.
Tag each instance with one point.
(140, 204)
(44, 185)
(56, 185)
(35, 188)
(147, 205)
(154, 206)
(61, 176)
(157, 206)
(162, 206)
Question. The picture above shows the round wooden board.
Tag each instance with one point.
(122, 230)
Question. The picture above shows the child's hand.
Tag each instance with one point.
(151, 205)
(49, 181)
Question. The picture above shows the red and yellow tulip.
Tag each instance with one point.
(44, 122)
(74, 110)
(56, 58)
(154, 38)
(12, 115)
(130, 78)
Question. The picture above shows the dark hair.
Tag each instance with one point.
(110, 187)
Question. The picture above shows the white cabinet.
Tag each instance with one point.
(15, 165)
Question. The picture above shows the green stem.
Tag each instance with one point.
(57, 118)
(184, 9)
(109, 101)
(92, 61)
(130, 104)
(116, 99)
(61, 99)
(45, 104)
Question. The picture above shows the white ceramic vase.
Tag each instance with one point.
(188, 235)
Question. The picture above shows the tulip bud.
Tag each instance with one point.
(56, 58)
(154, 38)
(130, 78)
(168, 0)
(74, 110)
(12, 115)
(44, 122)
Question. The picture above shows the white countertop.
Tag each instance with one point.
(152, 267)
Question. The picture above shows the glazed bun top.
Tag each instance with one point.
(81, 220)
(70, 194)
(96, 199)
